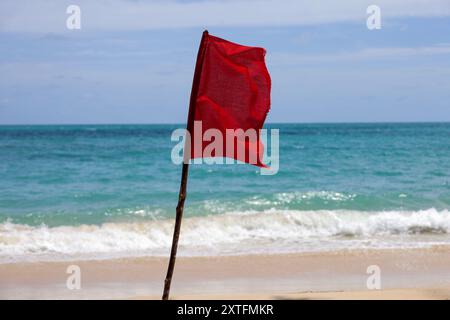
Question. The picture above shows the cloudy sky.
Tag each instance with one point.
(132, 61)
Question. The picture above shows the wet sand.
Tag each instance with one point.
(404, 274)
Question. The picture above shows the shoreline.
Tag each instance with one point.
(404, 273)
(270, 231)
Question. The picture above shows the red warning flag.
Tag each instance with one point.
(231, 96)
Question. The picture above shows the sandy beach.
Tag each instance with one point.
(404, 274)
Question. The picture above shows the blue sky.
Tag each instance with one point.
(133, 61)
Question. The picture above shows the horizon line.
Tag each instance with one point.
(181, 123)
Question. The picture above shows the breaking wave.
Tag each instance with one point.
(243, 232)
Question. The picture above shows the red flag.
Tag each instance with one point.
(231, 96)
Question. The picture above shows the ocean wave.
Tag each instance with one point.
(280, 201)
(236, 232)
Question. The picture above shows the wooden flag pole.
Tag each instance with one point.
(185, 170)
(176, 230)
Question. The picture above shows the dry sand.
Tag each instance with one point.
(405, 274)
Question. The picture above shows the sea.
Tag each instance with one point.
(110, 191)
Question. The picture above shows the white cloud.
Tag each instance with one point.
(50, 16)
(363, 54)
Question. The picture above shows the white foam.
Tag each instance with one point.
(269, 231)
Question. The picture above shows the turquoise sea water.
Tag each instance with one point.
(66, 189)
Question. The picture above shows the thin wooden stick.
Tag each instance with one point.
(185, 170)
(176, 231)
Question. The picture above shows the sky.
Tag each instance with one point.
(132, 61)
